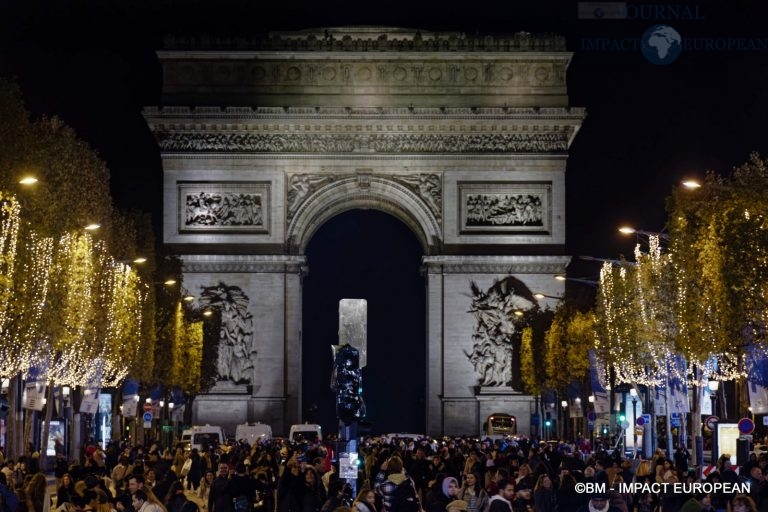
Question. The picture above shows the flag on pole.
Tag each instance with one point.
(602, 405)
(677, 387)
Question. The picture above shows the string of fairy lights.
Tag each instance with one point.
(69, 312)
(648, 316)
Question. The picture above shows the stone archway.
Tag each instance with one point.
(372, 255)
(462, 138)
(393, 194)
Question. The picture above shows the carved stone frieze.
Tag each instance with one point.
(467, 73)
(372, 39)
(364, 143)
(425, 186)
(300, 186)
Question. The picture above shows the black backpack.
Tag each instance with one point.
(404, 498)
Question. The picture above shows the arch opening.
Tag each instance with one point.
(372, 255)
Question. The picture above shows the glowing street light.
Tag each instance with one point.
(629, 230)
(92, 227)
(691, 184)
(28, 180)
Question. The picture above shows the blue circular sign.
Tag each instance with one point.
(746, 426)
(591, 416)
(661, 44)
(147, 416)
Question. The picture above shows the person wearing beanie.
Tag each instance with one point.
(598, 503)
(457, 506)
(443, 494)
(692, 505)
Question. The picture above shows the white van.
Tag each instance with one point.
(202, 436)
(306, 432)
(253, 432)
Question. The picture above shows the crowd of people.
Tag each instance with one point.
(427, 475)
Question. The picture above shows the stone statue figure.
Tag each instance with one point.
(237, 350)
(495, 329)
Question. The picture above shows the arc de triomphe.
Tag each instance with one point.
(462, 138)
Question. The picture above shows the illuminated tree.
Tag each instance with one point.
(719, 244)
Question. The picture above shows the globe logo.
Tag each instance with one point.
(599, 13)
(661, 44)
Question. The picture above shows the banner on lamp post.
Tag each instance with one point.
(34, 393)
(130, 406)
(90, 402)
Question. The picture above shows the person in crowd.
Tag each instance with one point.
(544, 496)
(502, 502)
(66, 491)
(7, 495)
(195, 470)
(681, 456)
(443, 493)
(387, 480)
(457, 506)
(175, 498)
(418, 469)
(178, 460)
(474, 494)
(290, 487)
(141, 503)
(205, 488)
(365, 501)
(598, 503)
(335, 496)
(119, 472)
(743, 503)
(242, 488)
(163, 487)
(524, 478)
(219, 499)
(36, 491)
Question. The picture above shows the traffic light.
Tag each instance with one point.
(622, 418)
(605, 430)
(548, 423)
(347, 383)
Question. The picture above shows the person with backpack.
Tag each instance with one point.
(397, 490)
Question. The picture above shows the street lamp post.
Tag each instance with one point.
(170, 424)
(564, 428)
(713, 386)
(594, 423)
(633, 394)
(576, 415)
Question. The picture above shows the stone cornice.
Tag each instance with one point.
(249, 263)
(400, 143)
(496, 264)
(297, 114)
(373, 39)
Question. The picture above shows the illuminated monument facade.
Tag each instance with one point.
(464, 139)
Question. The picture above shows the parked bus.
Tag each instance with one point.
(500, 423)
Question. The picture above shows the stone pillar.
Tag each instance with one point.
(293, 412)
(434, 350)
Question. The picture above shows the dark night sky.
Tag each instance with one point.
(93, 64)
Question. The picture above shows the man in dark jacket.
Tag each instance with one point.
(219, 499)
(502, 502)
(242, 488)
